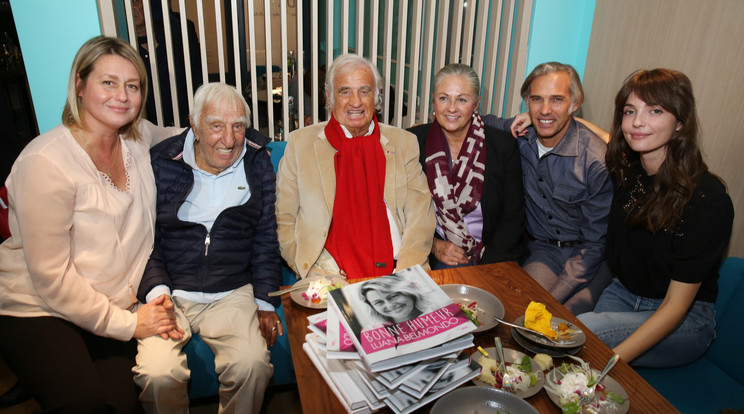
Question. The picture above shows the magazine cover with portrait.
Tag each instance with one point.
(399, 314)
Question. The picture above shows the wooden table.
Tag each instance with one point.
(515, 289)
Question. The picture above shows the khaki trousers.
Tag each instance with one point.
(230, 328)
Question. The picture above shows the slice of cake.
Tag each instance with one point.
(537, 318)
(317, 291)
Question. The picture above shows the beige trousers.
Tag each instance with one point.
(230, 328)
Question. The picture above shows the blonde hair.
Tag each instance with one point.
(83, 65)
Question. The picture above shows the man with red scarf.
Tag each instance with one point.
(351, 196)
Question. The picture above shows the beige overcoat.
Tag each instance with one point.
(306, 188)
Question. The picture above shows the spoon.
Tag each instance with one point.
(540, 334)
(587, 396)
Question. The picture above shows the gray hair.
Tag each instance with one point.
(215, 93)
(460, 70)
(348, 63)
(577, 92)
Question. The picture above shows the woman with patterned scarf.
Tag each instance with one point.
(474, 175)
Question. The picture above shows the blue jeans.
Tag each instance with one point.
(619, 313)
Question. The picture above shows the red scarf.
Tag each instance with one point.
(359, 237)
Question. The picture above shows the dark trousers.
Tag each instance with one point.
(68, 369)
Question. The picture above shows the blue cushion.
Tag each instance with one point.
(718, 376)
(731, 275)
(276, 149)
(725, 350)
(204, 381)
(697, 388)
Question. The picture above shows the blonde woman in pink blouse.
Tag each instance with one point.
(82, 202)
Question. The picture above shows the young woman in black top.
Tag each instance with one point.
(670, 223)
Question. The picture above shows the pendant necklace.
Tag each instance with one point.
(115, 157)
(82, 136)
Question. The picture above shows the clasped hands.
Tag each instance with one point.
(158, 317)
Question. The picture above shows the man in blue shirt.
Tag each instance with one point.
(216, 256)
(567, 189)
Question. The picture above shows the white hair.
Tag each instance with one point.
(348, 63)
(214, 93)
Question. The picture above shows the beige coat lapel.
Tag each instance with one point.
(325, 159)
(390, 173)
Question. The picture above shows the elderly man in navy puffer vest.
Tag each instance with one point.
(216, 256)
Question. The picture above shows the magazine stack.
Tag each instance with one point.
(392, 341)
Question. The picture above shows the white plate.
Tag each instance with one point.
(605, 406)
(481, 400)
(300, 300)
(576, 339)
(512, 355)
(489, 304)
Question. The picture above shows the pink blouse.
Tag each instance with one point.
(79, 245)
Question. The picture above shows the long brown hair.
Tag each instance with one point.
(659, 207)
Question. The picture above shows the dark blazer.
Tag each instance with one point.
(502, 201)
(243, 246)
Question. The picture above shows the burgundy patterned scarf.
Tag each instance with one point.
(359, 237)
(457, 192)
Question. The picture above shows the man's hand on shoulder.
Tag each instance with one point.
(519, 126)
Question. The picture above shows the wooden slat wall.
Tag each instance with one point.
(699, 38)
(252, 55)
(491, 35)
